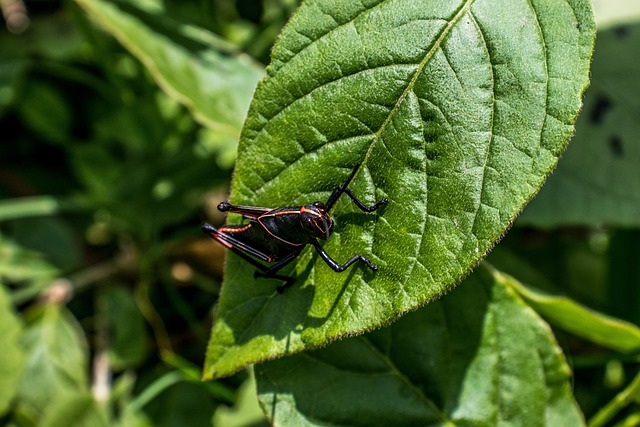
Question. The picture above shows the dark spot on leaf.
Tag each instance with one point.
(578, 26)
(432, 154)
(430, 130)
(621, 31)
(430, 137)
(603, 105)
(617, 148)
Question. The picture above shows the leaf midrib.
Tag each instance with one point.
(464, 8)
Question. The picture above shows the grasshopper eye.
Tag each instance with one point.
(320, 206)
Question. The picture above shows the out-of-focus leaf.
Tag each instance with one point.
(456, 111)
(184, 403)
(76, 410)
(12, 356)
(53, 36)
(193, 66)
(563, 262)
(24, 268)
(122, 392)
(51, 237)
(12, 67)
(611, 13)
(572, 317)
(165, 192)
(98, 171)
(177, 169)
(134, 419)
(477, 357)
(22, 265)
(614, 408)
(220, 391)
(598, 179)
(246, 411)
(31, 206)
(45, 110)
(57, 359)
(213, 142)
(128, 342)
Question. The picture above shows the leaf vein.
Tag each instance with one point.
(395, 370)
(546, 70)
(491, 127)
(421, 66)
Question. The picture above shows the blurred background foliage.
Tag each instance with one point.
(108, 165)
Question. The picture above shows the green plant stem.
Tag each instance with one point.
(631, 421)
(101, 382)
(150, 313)
(192, 373)
(623, 398)
(125, 260)
(157, 387)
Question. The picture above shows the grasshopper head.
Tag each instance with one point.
(316, 221)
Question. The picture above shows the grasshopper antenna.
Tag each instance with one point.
(341, 188)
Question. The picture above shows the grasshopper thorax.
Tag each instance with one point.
(315, 220)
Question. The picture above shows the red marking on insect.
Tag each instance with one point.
(279, 235)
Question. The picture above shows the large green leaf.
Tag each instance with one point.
(12, 356)
(457, 113)
(598, 180)
(477, 357)
(192, 65)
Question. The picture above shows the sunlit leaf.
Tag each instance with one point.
(456, 111)
(477, 357)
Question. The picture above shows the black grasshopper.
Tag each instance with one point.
(279, 235)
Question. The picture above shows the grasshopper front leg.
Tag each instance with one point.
(335, 266)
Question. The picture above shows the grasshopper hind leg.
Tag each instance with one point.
(225, 236)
